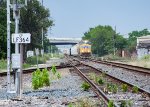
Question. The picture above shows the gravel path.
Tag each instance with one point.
(58, 94)
(131, 77)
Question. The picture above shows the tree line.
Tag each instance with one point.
(104, 40)
(33, 17)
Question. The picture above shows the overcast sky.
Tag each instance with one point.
(72, 18)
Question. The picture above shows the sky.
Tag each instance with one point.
(72, 18)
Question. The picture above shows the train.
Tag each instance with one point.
(82, 49)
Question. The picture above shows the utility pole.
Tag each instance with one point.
(8, 47)
(42, 36)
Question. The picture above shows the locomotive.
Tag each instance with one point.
(82, 49)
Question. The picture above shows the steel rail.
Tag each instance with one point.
(30, 70)
(96, 89)
(126, 66)
(131, 85)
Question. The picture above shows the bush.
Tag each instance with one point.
(124, 87)
(85, 86)
(40, 78)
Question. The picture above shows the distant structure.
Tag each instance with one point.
(64, 41)
(143, 46)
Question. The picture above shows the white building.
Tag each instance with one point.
(143, 46)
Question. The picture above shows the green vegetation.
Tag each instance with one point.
(58, 75)
(85, 86)
(112, 87)
(40, 78)
(146, 58)
(85, 102)
(126, 103)
(54, 69)
(27, 17)
(101, 80)
(113, 57)
(124, 87)
(135, 89)
(111, 103)
(55, 74)
(25, 65)
(33, 60)
(101, 38)
(3, 64)
(92, 76)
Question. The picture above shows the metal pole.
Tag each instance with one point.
(8, 46)
(17, 79)
(42, 34)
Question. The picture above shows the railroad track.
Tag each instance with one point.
(122, 81)
(96, 89)
(125, 66)
(30, 70)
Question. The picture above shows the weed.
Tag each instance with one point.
(135, 89)
(40, 78)
(45, 77)
(100, 81)
(58, 75)
(92, 76)
(112, 87)
(85, 86)
(37, 80)
(54, 69)
(124, 87)
(126, 103)
(111, 103)
(123, 103)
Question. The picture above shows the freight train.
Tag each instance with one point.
(82, 49)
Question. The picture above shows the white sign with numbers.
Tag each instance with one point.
(21, 38)
(16, 61)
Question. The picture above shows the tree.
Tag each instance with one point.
(3, 29)
(102, 39)
(133, 38)
(33, 17)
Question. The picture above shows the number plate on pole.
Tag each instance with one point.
(21, 38)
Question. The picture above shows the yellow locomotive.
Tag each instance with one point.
(85, 50)
(82, 49)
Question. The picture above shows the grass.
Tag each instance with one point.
(3, 64)
(85, 86)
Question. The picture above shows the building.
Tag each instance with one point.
(143, 46)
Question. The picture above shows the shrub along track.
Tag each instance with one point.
(138, 98)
